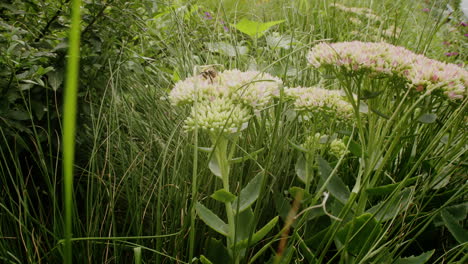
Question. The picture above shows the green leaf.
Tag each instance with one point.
(458, 211)
(353, 147)
(359, 234)
(282, 205)
(375, 111)
(216, 252)
(300, 168)
(253, 28)
(366, 94)
(212, 220)
(204, 260)
(427, 118)
(226, 49)
(297, 191)
(298, 147)
(214, 166)
(334, 185)
(223, 196)
(386, 189)
(259, 234)
(55, 80)
(421, 259)
(458, 232)
(275, 40)
(18, 115)
(249, 194)
(247, 157)
(389, 209)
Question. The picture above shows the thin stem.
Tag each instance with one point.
(69, 121)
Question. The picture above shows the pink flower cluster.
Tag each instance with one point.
(385, 59)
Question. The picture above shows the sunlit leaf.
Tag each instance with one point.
(254, 28)
(223, 196)
(212, 220)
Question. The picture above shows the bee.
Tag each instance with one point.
(209, 73)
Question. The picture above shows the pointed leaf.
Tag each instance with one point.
(353, 147)
(212, 220)
(249, 194)
(216, 252)
(247, 157)
(298, 147)
(427, 118)
(214, 167)
(386, 189)
(223, 196)
(366, 94)
(259, 234)
(300, 168)
(227, 49)
(299, 192)
(334, 184)
(55, 80)
(359, 234)
(254, 28)
(458, 232)
(389, 209)
(204, 260)
(421, 259)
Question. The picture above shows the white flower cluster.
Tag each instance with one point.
(251, 88)
(219, 115)
(382, 58)
(320, 100)
(225, 100)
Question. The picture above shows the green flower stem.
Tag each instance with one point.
(221, 154)
(69, 124)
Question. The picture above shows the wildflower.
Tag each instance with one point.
(463, 24)
(313, 142)
(385, 59)
(251, 88)
(208, 15)
(426, 10)
(450, 54)
(220, 115)
(319, 100)
(338, 148)
(224, 25)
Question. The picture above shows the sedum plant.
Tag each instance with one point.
(222, 105)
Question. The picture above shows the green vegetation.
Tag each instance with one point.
(371, 169)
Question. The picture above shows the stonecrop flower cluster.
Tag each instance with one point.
(226, 100)
(382, 58)
(317, 142)
(320, 100)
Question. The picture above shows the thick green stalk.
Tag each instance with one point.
(223, 163)
(69, 123)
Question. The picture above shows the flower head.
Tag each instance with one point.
(319, 100)
(385, 59)
(338, 148)
(220, 115)
(251, 88)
